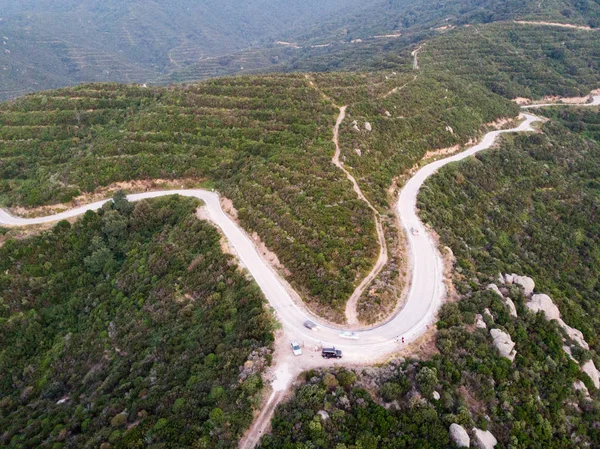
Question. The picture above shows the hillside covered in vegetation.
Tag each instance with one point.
(527, 207)
(264, 142)
(128, 328)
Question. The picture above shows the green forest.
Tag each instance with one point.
(128, 328)
(529, 208)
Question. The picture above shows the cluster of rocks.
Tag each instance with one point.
(502, 340)
(543, 303)
(368, 126)
(256, 363)
(482, 439)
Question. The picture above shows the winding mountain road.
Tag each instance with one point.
(427, 287)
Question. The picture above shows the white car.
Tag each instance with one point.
(296, 349)
(349, 335)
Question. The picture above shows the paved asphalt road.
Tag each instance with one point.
(427, 288)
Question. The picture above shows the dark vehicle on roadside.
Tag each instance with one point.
(311, 325)
(331, 353)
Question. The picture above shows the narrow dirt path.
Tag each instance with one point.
(415, 55)
(399, 88)
(351, 306)
(262, 422)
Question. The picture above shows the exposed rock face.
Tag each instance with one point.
(503, 342)
(574, 334)
(484, 439)
(568, 351)
(543, 303)
(509, 278)
(526, 284)
(459, 436)
(580, 386)
(590, 369)
(511, 307)
(479, 322)
(495, 289)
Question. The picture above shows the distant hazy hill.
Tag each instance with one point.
(48, 44)
(52, 43)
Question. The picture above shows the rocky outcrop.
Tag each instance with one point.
(494, 288)
(484, 439)
(568, 351)
(512, 310)
(525, 282)
(580, 386)
(509, 302)
(503, 342)
(574, 334)
(590, 369)
(459, 436)
(543, 303)
(479, 323)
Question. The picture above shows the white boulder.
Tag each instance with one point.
(368, 126)
(590, 369)
(526, 284)
(580, 386)
(509, 278)
(435, 395)
(459, 436)
(543, 303)
(494, 288)
(511, 307)
(479, 323)
(574, 334)
(503, 342)
(484, 439)
(323, 414)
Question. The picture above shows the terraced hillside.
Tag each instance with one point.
(49, 44)
(264, 142)
(519, 60)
